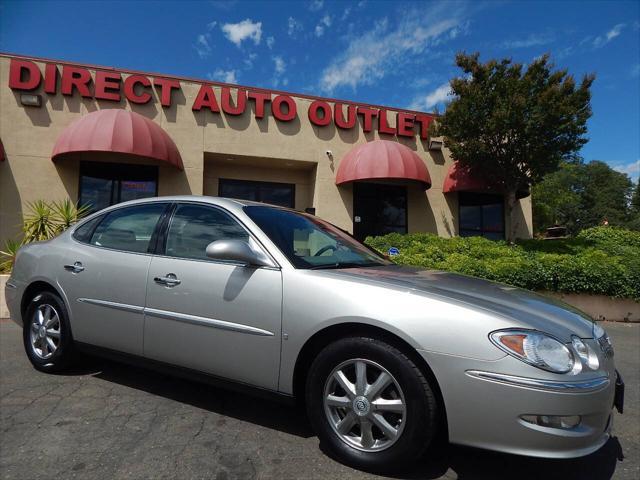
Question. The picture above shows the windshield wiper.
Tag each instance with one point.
(344, 265)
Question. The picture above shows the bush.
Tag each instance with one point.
(600, 260)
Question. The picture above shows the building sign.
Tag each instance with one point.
(25, 75)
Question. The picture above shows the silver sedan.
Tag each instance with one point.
(284, 304)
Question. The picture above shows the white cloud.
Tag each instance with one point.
(533, 40)
(316, 5)
(602, 40)
(246, 29)
(279, 64)
(438, 96)
(370, 56)
(293, 26)
(211, 25)
(632, 169)
(202, 46)
(324, 23)
(345, 14)
(248, 61)
(270, 42)
(226, 76)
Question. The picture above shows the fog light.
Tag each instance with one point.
(553, 421)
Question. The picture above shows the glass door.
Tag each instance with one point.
(378, 209)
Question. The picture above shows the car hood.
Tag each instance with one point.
(526, 308)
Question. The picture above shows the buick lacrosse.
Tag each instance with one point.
(383, 357)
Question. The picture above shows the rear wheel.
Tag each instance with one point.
(46, 333)
(370, 404)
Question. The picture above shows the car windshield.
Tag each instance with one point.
(311, 243)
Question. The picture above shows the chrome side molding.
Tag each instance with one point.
(180, 317)
(116, 306)
(583, 386)
(207, 322)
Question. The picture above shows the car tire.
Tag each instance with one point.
(46, 333)
(329, 404)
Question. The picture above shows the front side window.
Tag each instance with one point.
(193, 227)
(106, 184)
(481, 215)
(309, 242)
(128, 229)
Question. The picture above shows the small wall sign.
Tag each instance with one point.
(393, 251)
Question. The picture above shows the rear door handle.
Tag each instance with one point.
(75, 268)
(170, 280)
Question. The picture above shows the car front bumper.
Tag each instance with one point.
(485, 403)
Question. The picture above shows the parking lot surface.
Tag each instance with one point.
(106, 420)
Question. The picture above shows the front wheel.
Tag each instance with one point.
(46, 334)
(370, 404)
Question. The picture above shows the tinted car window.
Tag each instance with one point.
(128, 228)
(193, 227)
(84, 231)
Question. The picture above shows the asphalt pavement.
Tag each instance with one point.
(105, 420)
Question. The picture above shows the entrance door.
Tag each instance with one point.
(378, 209)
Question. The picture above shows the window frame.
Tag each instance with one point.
(481, 200)
(163, 231)
(116, 173)
(105, 213)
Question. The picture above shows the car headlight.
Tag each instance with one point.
(535, 348)
(586, 353)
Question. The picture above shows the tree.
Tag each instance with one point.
(581, 195)
(514, 125)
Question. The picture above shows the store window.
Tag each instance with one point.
(481, 215)
(105, 184)
(282, 194)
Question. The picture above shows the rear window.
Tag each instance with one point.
(84, 231)
(129, 229)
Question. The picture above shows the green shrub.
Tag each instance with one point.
(600, 260)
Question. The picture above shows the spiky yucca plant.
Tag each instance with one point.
(39, 223)
(66, 213)
(8, 255)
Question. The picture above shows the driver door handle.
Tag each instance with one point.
(170, 280)
(75, 268)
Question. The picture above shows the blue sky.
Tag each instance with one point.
(390, 53)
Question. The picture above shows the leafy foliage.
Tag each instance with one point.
(514, 125)
(581, 195)
(601, 260)
(42, 222)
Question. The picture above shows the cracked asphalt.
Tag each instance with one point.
(105, 420)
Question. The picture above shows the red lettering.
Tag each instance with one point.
(338, 116)
(166, 87)
(130, 84)
(76, 78)
(17, 78)
(241, 101)
(367, 117)
(260, 100)
(107, 86)
(404, 124)
(206, 98)
(383, 123)
(50, 78)
(279, 113)
(314, 116)
(425, 121)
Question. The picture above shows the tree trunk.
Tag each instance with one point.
(512, 224)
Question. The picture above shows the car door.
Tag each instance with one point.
(104, 276)
(212, 316)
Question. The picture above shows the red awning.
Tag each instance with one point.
(382, 159)
(1, 152)
(461, 179)
(120, 131)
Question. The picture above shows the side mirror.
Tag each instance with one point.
(237, 251)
